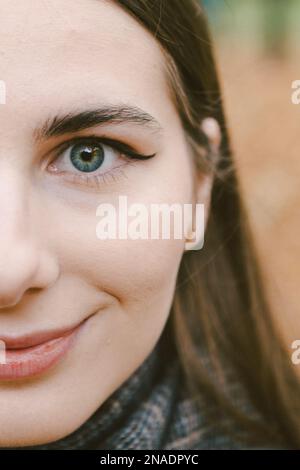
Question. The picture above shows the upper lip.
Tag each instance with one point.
(33, 339)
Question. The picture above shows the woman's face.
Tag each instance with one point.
(61, 58)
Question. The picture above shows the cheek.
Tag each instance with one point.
(132, 271)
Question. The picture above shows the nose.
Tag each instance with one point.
(25, 262)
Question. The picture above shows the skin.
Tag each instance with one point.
(62, 55)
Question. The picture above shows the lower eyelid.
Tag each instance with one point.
(94, 180)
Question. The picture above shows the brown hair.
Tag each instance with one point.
(219, 304)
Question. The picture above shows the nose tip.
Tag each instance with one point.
(24, 269)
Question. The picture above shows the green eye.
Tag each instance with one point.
(87, 157)
(90, 160)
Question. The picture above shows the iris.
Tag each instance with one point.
(87, 157)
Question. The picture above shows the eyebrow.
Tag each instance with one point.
(76, 121)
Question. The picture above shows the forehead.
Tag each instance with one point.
(67, 49)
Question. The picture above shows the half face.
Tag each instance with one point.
(86, 99)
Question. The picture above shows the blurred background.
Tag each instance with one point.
(257, 47)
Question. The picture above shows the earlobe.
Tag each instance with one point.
(200, 213)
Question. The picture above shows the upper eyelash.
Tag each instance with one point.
(115, 144)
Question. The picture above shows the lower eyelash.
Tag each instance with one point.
(96, 180)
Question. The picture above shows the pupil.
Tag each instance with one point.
(86, 156)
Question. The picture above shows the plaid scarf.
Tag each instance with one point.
(152, 410)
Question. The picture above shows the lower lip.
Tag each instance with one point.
(29, 362)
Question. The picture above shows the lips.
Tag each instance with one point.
(30, 355)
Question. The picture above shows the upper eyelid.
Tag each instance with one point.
(111, 142)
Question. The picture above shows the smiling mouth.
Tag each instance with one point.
(31, 355)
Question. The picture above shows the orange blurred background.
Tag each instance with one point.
(257, 47)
